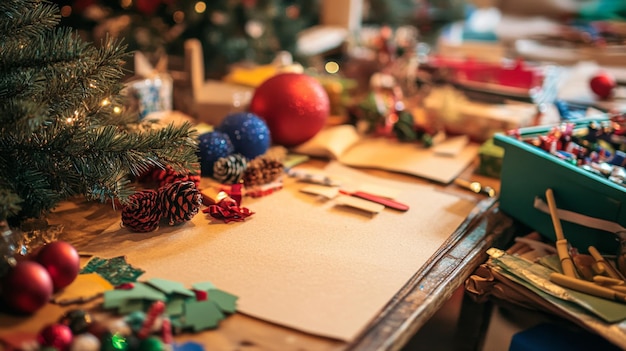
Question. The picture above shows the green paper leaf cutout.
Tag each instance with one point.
(225, 301)
(204, 286)
(118, 297)
(170, 287)
(175, 307)
(131, 305)
(201, 315)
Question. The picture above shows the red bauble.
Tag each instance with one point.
(603, 85)
(62, 262)
(27, 287)
(295, 107)
(58, 336)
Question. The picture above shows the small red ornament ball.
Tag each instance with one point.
(295, 107)
(58, 336)
(62, 262)
(27, 287)
(603, 84)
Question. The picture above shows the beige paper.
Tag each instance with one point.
(408, 158)
(299, 262)
(344, 144)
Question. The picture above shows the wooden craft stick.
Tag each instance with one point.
(561, 243)
(606, 266)
(602, 280)
(618, 288)
(587, 287)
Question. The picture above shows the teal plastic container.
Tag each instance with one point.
(527, 171)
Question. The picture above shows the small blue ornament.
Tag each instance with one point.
(248, 133)
(213, 146)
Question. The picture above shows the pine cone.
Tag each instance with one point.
(179, 201)
(166, 176)
(142, 213)
(262, 170)
(230, 169)
(277, 152)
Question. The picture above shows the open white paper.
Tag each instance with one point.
(300, 261)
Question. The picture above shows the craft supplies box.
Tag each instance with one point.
(527, 171)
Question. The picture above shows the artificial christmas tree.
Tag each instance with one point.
(63, 128)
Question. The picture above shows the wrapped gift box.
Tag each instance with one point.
(527, 171)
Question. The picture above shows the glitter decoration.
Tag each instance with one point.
(230, 169)
(11, 244)
(213, 146)
(115, 270)
(248, 133)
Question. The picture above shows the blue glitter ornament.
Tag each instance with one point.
(213, 146)
(248, 133)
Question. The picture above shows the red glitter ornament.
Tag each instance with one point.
(295, 107)
(62, 262)
(27, 287)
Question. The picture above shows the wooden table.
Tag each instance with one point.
(429, 288)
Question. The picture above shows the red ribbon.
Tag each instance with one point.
(228, 211)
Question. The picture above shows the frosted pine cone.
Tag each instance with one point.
(180, 201)
(142, 213)
(230, 169)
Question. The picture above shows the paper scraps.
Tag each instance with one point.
(199, 308)
(116, 270)
(86, 287)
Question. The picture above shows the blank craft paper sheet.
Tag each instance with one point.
(301, 261)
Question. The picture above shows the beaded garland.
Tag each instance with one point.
(78, 330)
(600, 148)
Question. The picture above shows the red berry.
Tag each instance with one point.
(603, 84)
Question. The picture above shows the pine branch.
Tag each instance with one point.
(10, 204)
(32, 187)
(60, 133)
(21, 117)
(21, 19)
